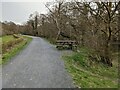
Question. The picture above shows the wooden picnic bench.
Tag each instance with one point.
(69, 43)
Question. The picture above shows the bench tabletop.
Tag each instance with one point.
(65, 41)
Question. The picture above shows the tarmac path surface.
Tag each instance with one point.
(39, 65)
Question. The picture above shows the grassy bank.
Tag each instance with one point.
(50, 40)
(90, 75)
(13, 49)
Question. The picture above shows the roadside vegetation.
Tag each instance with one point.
(11, 45)
(92, 73)
(95, 26)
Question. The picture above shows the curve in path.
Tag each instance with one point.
(37, 66)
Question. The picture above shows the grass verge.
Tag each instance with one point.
(52, 41)
(15, 49)
(86, 75)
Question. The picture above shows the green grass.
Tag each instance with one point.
(50, 40)
(8, 38)
(0, 45)
(86, 75)
(15, 49)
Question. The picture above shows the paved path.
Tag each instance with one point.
(37, 66)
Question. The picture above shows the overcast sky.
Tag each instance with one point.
(18, 11)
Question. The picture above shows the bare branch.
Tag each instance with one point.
(117, 32)
(108, 10)
(116, 7)
(104, 32)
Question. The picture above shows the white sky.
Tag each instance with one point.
(18, 11)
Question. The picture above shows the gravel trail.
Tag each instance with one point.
(39, 65)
